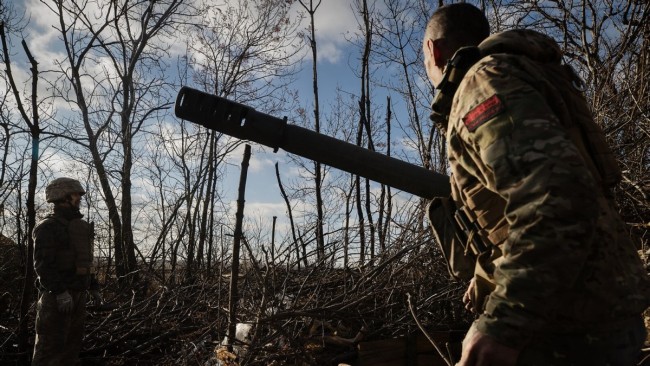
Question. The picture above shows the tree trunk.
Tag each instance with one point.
(234, 273)
(34, 129)
(318, 180)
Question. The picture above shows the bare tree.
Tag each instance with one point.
(364, 125)
(311, 9)
(301, 247)
(400, 26)
(30, 114)
(385, 198)
(8, 133)
(244, 50)
(112, 76)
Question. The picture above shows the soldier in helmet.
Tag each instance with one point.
(63, 260)
(555, 278)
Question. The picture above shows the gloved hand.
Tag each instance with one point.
(97, 297)
(64, 302)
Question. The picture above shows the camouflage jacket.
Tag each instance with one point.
(568, 263)
(55, 257)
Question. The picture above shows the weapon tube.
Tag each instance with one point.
(243, 122)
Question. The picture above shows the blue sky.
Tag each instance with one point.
(336, 57)
(335, 24)
(334, 21)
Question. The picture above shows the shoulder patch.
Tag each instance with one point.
(483, 112)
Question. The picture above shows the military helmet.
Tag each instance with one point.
(60, 188)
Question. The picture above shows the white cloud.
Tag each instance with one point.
(334, 19)
(261, 157)
(261, 162)
(331, 52)
(42, 19)
(263, 209)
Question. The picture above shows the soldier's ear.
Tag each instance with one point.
(428, 46)
(437, 50)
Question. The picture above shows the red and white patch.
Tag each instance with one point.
(483, 112)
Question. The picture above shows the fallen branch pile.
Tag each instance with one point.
(312, 316)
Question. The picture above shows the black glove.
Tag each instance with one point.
(64, 302)
(97, 297)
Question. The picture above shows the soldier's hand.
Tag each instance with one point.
(97, 297)
(467, 297)
(64, 302)
(482, 350)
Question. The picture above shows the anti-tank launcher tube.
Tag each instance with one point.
(243, 122)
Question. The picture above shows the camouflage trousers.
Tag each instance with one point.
(616, 347)
(619, 346)
(58, 336)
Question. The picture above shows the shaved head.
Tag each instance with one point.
(459, 25)
(450, 28)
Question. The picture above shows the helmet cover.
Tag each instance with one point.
(60, 188)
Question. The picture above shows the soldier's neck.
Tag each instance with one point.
(67, 211)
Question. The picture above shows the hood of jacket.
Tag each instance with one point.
(529, 43)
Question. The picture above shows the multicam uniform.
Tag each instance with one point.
(532, 172)
(63, 262)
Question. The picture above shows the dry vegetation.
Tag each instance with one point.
(296, 313)
(157, 183)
